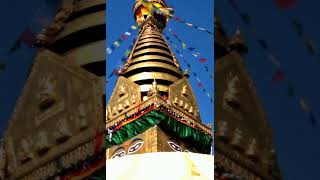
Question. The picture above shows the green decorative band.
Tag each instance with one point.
(154, 118)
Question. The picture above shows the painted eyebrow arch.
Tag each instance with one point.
(118, 149)
(135, 140)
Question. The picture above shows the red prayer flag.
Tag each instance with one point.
(177, 19)
(123, 37)
(278, 76)
(115, 71)
(28, 37)
(285, 4)
(202, 60)
(200, 85)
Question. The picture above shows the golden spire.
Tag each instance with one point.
(152, 69)
(220, 39)
(151, 58)
(238, 43)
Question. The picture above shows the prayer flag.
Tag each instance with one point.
(184, 45)
(202, 60)
(116, 43)
(2, 67)
(278, 76)
(246, 18)
(263, 44)
(304, 105)
(313, 120)
(285, 4)
(109, 51)
(15, 46)
(28, 37)
(298, 27)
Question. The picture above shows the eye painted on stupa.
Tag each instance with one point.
(174, 145)
(135, 145)
(119, 152)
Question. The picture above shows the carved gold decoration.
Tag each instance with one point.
(175, 101)
(154, 88)
(42, 143)
(120, 108)
(114, 110)
(231, 94)
(51, 70)
(237, 138)
(83, 123)
(184, 90)
(180, 103)
(186, 106)
(122, 90)
(182, 96)
(222, 128)
(47, 95)
(63, 130)
(127, 103)
(25, 152)
(129, 91)
(159, 101)
(251, 151)
(133, 99)
(191, 110)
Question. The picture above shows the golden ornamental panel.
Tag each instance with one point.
(237, 103)
(53, 112)
(125, 95)
(182, 97)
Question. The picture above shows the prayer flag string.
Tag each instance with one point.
(192, 25)
(110, 49)
(199, 82)
(279, 74)
(192, 50)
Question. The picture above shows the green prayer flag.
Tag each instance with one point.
(127, 53)
(116, 43)
(2, 67)
(290, 90)
(304, 105)
(311, 47)
(246, 18)
(298, 27)
(15, 46)
(184, 45)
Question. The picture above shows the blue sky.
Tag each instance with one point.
(16, 16)
(120, 18)
(295, 140)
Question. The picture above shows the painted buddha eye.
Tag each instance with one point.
(175, 146)
(135, 147)
(119, 154)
